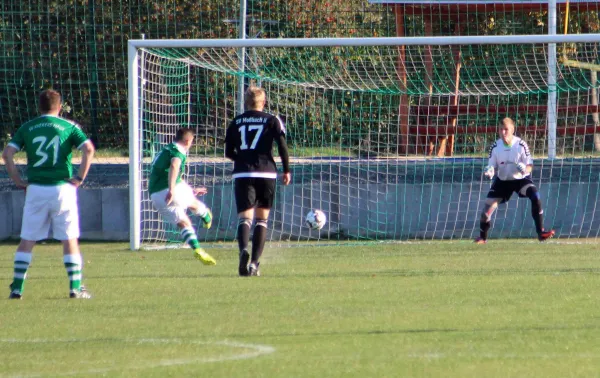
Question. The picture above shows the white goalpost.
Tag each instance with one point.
(356, 130)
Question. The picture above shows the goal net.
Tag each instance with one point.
(388, 136)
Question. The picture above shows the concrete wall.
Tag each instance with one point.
(375, 211)
(103, 214)
(423, 211)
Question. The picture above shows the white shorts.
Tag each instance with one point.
(175, 212)
(47, 206)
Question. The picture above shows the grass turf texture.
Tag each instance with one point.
(451, 309)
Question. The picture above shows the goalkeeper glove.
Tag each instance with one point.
(522, 168)
(489, 172)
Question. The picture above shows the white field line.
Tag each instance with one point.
(256, 350)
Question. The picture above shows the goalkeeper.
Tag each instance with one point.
(511, 159)
(172, 196)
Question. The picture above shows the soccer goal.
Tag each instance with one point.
(388, 136)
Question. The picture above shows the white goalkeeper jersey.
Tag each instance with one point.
(505, 158)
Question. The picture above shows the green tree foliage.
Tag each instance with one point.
(79, 47)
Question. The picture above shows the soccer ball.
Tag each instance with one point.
(315, 219)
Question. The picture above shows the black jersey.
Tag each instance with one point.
(249, 143)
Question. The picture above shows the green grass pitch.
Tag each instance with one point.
(449, 309)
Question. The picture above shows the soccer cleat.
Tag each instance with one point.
(15, 294)
(207, 219)
(243, 267)
(253, 270)
(480, 241)
(80, 294)
(545, 235)
(204, 257)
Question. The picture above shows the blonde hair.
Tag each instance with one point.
(254, 98)
(508, 122)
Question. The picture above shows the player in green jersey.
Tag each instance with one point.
(172, 196)
(51, 188)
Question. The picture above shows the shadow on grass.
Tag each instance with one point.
(515, 329)
(204, 274)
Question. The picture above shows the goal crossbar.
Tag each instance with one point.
(371, 41)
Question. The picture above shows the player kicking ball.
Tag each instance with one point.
(172, 196)
(511, 159)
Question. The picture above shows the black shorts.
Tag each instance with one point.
(504, 189)
(251, 192)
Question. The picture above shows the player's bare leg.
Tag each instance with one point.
(22, 261)
(491, 204)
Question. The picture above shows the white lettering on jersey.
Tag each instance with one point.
(242, 130)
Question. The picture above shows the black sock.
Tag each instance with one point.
(538, 218)
(258, 239)
(483, 229)
(243, 233)
(536, 209)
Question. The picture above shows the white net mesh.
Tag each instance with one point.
(364, 125)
